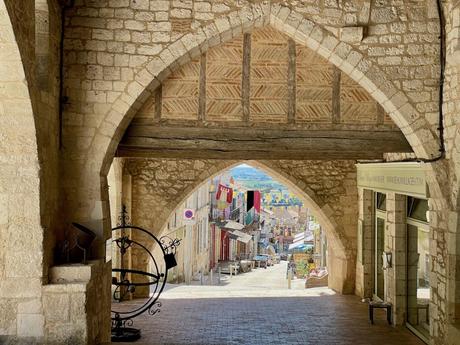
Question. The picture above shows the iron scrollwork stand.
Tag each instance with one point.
(122, 320)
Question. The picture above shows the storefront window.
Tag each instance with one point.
(418, 267)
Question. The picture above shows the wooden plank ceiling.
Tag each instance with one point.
(261, 96)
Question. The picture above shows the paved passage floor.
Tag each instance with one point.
(256, 308)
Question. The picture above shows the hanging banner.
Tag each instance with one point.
(224, 193)
(257, 198)
(406, 178)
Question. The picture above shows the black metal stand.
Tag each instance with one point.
(155, 280)
(121, 333)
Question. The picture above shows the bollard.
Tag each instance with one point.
(210, 277)
(230, 269)
(201, 278)
(289, 278)
(218, 277)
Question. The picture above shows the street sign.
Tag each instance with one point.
(189, 216)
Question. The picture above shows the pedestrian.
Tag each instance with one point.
(291, 266)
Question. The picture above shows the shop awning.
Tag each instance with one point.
(300, 246)
(241, 236)
(232, 225)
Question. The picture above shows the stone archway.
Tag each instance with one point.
(160, 185)
(343, 55)
(21, 258)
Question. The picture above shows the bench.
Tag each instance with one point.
(382, 305)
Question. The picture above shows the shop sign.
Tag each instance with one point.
(406, 178)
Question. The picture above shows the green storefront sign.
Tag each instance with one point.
(406, 178)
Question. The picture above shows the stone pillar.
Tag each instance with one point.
(73, 302)
(364, 267)
(395, 232)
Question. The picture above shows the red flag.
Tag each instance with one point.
(257, 198)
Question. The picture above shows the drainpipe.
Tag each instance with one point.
(68, 4)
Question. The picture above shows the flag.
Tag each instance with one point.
(224, 194)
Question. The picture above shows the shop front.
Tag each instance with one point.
(394, 261)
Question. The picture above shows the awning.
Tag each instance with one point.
(230, 224)
(302, 238)
(241, 236)
(300, 245)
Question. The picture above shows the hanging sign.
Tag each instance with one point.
(406, 178)
(189, 216)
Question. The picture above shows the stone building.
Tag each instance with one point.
(189, 88)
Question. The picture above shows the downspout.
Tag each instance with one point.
(62, 99)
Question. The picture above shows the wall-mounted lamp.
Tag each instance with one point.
(387, 259)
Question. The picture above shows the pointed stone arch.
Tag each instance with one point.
(159, 186)
(343, 55)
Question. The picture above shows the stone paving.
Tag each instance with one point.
(256, 308)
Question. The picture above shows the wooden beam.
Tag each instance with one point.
(292, 80)
(252, 143)
(202, 90)
(380, 115)
(158, 102)
(336, 95)
(246, 77)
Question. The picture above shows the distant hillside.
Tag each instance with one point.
(253, 178)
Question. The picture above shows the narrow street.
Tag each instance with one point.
(256, 308)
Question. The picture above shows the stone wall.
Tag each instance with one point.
(116, 54)
(21, 234)
(118, 51)
(73, 302)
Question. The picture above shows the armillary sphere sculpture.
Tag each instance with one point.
(123, 278)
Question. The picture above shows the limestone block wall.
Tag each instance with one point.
(117, 52)
(364, 261)
(395, 232)
(328, 187)
(73, 303)
(21, 234)
(444, 206)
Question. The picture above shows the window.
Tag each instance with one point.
(417, 209)
(381, 201)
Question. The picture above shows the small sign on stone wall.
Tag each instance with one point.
(189, 216)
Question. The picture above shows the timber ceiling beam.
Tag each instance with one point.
(258, 143)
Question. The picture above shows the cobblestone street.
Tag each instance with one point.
(256, 308)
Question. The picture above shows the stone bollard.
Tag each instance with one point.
(218, 277)
(211, 276)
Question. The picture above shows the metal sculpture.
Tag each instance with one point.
(122, 320)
